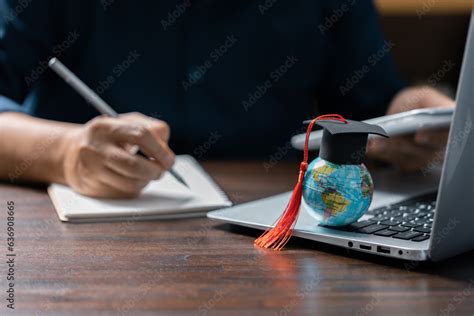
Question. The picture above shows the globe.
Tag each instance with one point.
(336, 195)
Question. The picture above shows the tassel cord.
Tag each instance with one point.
(277, 237)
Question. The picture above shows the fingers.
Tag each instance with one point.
(121, 131)
(432, 138)
(99, 180)
(151, 146)
(434, 98)
(158, 128)
(98, 161)
(418, 97)
(413, 152)
(118, 183)
(132, 166)
(402, 152)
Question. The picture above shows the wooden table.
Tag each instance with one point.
(423, 7)
(200, 267)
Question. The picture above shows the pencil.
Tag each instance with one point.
(93, 98)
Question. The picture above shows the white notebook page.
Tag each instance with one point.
(164, 196)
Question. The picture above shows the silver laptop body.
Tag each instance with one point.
(452, 209)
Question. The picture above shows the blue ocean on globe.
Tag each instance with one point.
(336, 195)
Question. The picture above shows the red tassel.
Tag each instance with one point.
(277, 237)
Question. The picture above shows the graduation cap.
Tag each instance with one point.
(344, 142)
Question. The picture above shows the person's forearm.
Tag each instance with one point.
(32, 149)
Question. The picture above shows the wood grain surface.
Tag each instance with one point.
(201, 267)
(423, 7)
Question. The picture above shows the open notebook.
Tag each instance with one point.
(161, 199)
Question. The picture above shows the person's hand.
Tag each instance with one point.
(418, 151)
(99, 158)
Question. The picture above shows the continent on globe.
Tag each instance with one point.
(336, 195)
(324, 170)
(366, 183)
(335, 202)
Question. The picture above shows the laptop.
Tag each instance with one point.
(429, 226)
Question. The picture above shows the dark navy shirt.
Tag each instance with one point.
(231, 78)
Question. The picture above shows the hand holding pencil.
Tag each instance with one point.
(101, 160)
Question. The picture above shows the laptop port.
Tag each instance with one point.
(383, 249)
(365, 247)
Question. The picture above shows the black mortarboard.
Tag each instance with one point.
(345, 143)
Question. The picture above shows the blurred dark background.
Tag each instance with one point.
(429, 37)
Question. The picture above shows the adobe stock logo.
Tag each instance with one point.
(336, 15)
(358, 75)
(57, 51)
(14, 12)
(262, 89)
(174, 15)
(213, 57)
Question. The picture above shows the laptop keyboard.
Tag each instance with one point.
(408, 220)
